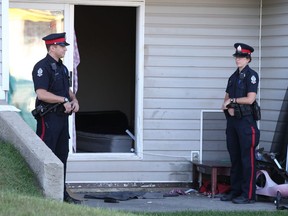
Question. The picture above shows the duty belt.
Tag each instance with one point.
(241, 110)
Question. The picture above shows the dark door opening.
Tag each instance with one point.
(106, 37)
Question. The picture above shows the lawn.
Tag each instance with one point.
(20, 195)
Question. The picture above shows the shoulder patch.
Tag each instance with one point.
(253, 79)
(39, 72)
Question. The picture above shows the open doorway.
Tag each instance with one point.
(106, 37)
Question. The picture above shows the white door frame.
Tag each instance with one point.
(139, 81)
(4, 87)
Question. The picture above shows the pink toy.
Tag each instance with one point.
(270, 188)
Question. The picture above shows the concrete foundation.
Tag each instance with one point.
(47, 167)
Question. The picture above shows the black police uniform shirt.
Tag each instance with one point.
(240, 84)
(52, 76)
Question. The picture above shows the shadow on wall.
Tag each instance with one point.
(280, 138)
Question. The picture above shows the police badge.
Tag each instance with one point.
(253, 79)
(39, 72)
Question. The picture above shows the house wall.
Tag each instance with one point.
(188, 59)
(274, 76)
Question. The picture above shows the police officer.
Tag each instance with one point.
(242, 133)
(51, 84)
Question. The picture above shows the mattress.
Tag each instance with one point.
(94, 142)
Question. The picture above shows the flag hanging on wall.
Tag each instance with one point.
(76, 62)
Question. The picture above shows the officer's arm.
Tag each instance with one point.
(48, 97)
(74, 101)
(251, 97)
(226, 101)
(72, 95)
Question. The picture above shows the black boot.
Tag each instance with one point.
(228, 197)
(70, 199)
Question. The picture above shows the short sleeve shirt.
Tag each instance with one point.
(241, 83)
(52, 76)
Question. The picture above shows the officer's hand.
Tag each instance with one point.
(68, 107)
(224, 105)
(75, 105)
(231, 111)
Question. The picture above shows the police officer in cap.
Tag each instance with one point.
(242, 133)
(51, 84)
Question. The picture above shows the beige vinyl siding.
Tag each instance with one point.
(188, 59)
(274, 76)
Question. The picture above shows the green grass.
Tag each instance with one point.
(21, 195)
(15, 176)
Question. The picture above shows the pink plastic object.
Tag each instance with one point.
(270, 188)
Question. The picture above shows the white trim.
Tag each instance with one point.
(139, 81)
(42, 5)
(121, 182)
(260, 58)
(5, 49)
(69, 29)
(108, 3)
(68, 61)
(132, 3)
(102, 156)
